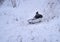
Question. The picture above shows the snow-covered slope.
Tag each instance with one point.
(15, 28)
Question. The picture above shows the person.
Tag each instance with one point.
(37, 16)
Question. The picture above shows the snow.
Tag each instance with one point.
(15, 28)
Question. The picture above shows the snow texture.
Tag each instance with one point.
(15, 28)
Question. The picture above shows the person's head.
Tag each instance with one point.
(37, 12)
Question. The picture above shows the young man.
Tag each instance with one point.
(37, 16)
(36, 19)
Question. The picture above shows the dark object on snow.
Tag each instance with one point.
(37, 19)
(37, 16)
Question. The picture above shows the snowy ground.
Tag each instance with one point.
(15, 28)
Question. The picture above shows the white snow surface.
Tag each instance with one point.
(15, 28)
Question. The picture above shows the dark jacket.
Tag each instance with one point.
(37, 16)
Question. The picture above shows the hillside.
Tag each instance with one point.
(15, 28)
